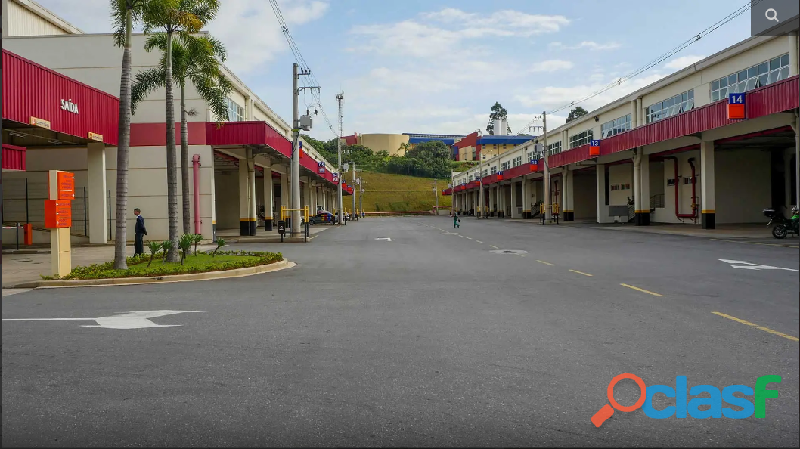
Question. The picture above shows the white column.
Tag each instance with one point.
(644, 190)
(787, 178)
(284, 193)
(602, 208)
(707, 181)
(637, 190)
(794, 64)
(269, 196)
(247, 194)
(307, 196)
(634, 114)
(525, 200)
(98, 206)
(569, 195)
(514, 200)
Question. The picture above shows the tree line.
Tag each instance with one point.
(431, 159)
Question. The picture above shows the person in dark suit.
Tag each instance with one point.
(140, 231)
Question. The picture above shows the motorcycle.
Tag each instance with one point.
(783, 227)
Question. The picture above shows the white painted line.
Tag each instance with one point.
(383, 238)
(469, 238)
(752, 266)
(129, 320)
(478, 241)
(495, 247)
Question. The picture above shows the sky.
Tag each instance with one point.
(412, 66)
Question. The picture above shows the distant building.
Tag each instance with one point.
(397, 144)
(470, 147)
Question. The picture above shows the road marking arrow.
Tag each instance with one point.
(752, 266)
(128, 320)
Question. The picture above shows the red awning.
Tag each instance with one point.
(13, 157)
(35, 95)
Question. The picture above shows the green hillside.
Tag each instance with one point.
(385, 192)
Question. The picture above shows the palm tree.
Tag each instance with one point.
(182, 17)
(196, 60)
(124, 13)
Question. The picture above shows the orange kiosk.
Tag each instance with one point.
(58, 218)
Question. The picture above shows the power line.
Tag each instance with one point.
(656, 61)
(302, 63)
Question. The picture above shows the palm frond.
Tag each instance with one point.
(146, 82)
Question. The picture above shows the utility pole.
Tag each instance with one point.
(354, 189)
(436, 194)
(361, 198)
(339, 98)
(297, 124)
(546, 170)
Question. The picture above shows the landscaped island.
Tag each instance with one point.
(155, 265)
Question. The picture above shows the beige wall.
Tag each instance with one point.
(27, 18)
(620, 174)
(743, 186)
(584, 197)
(226, 186)
(383, 142)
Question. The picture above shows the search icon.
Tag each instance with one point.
(773, 16)
(604, 413)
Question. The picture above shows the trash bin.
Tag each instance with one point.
(282, 228)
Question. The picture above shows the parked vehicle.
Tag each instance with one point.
(323, 216)
(783, 227)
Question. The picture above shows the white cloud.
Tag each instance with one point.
(264, 38)
(427, 38)
(552, 65)
(585, 44)
(247, 51)
(555, 97)
(683, 61)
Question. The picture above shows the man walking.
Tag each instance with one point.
(140, 231)
(456, 222)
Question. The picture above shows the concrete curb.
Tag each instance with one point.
(236, 273)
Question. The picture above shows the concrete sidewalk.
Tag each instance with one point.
(18, 268)
(262, 236)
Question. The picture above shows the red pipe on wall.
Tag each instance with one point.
(196, 164)
(693, 215)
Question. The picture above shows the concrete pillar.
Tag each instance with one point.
(787, 179)
(269, 197)
(634, 114)
(707, 181)
(513, 202)
(501, 199)
(307, 197)
(569, 195)
(284, 193)
(525, 198)
(794, 64)
(640, 116)
(98, 206)
(247, 190)
(602, 208)
(641, 185)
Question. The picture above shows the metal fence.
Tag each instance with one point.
(23, 202)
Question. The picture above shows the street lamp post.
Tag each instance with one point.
(482, 213)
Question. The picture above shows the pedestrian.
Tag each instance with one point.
(140, 231)
(456, 222)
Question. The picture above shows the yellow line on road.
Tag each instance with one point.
(640, 289)
(546, 263)
(765, 329)
(478, 241)
(580, 272)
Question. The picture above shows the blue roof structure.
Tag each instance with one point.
(501, 140)
(446, 140)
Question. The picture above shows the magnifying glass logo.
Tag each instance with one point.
(604, 413)
(771, 14)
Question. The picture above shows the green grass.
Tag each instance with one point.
(398, 193)
(195, 263)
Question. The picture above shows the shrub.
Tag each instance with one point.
(106, 270)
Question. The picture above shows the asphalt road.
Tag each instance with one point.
(432, 338)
